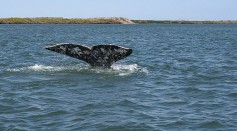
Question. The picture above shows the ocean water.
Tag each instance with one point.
(179, 77)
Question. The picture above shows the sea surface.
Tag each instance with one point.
(179, 77)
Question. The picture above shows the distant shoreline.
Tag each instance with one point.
(183, 22)
(60, 20)
(109, 20)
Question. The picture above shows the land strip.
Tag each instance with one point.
(183, 22)
(60, 20)
(108, 20)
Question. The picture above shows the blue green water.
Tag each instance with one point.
(179, 77)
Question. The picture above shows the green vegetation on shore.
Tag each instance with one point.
(111, 20)
(59, 20)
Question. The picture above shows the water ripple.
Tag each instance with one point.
(179, 77)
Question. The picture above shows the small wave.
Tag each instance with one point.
(192, 89)
(121, 70)
(128, 127)
(130, 103)
(233, 94)
(211, 124)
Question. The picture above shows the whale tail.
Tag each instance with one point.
(99, 55)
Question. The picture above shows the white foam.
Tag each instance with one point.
(124, 70)
(41, 68)
(37, 67)
(121, 70)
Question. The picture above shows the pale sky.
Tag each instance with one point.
(132, 9)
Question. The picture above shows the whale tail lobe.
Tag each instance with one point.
(99, 55)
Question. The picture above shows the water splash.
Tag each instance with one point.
(37, 67)
(128, 69)
(121, 70)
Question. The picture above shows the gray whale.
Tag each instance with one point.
(98, 55)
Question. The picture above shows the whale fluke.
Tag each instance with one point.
(98, 55)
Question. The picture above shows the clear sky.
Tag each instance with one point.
(132, 9)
